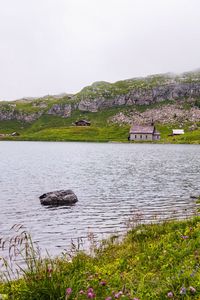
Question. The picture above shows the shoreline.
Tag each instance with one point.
(152, 261)
(100, 141)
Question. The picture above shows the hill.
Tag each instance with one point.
(170, 100)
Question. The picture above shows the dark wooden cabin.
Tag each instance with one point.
(82, 123)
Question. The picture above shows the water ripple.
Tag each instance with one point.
(113, 182)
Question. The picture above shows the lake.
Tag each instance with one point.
(113, 182)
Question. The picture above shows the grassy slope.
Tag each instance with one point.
(150, 262)
(54, 128)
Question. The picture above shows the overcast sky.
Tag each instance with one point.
(55, 46)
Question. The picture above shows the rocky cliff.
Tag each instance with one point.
(146, 91)
(102, 95)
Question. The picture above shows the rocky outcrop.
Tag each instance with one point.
(56, 198)
(166, 114)
(10, 112)
(62, 110)
(143, 96)
(13, 114)
(104, 95)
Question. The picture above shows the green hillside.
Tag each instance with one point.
(46, 118)
(54, 128)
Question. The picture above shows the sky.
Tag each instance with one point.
(56, 46)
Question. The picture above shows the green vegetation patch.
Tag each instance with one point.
(9, 126)
(156, 262)
(189, 137)
(73, 133)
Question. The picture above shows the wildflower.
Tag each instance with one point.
(184, 237)
(91, 295)
(136, 299)
(170, 295)
(117, 295)
(108, 298)
(183, 291)
(103, 283)
(68, 291)
(49, 270)
(81, 292)
(192, 289)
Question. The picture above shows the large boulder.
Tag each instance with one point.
(63, 197)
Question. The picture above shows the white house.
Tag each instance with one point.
(177, 131)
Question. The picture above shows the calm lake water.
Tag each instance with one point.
(112, 181)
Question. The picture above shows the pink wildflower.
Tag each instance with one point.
(68, 291)
(117, 295)
(91, 295)
(103, 283)
(49, 268)
(192, 289)
(184, 237)
(170, 295)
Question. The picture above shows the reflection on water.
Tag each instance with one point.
(112, 182)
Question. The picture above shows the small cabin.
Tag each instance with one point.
(177, 131)
(15, 134)
(82, 123)
(143, 133)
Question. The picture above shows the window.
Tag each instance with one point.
(135, 136)
(146, 137)
(141, 137)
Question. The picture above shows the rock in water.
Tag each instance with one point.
(63, 197)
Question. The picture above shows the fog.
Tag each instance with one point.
(56, 46)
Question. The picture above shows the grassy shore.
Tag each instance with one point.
(52, 128)
(55, 128)
(103, 134)
(157, 261)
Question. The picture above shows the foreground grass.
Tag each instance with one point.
(157, 261)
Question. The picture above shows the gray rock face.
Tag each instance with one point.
(19, 116)
(143, 96)
(56, 198)
(96, 99)
(62, 110)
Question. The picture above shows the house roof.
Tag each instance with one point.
(135, 129)
(82, 121)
